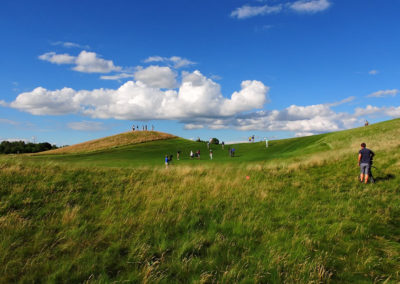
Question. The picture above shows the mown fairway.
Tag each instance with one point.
(118, 215)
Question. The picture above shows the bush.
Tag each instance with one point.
(214, 141)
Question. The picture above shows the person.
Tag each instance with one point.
(233, 152)
(198, 154)
(223, 145)
(133, 128)
(365, 157)
(191, 154)
(366, 123)
(166, 161)
(211, 154)
(266, 142)
(208, 145)
(177, 155)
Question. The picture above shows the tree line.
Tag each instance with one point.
(19, 147)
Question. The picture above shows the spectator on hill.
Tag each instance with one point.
(166, 161)
(211, 154)
(223, 145)
(177, 154)
(133, 128)
(198, 154)
(191, 154)
(233, 152)
(365, 157)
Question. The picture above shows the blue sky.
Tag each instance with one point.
(72, 71)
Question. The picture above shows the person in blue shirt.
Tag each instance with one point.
(365, 157)
(166, 161)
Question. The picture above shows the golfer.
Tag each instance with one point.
(365, 157)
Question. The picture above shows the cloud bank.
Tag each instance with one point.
(197, 96)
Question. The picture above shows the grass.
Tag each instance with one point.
(302, 217)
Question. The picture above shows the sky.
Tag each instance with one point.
(73, 71)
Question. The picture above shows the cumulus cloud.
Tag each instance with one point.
(174, 61)
(86, 126)
(3, 103)
(302, 120)
(373, 110)
(58, 58)
(157, 77)
(247, 11)
(197, 96)
(373, 72)
(384, 93)
(310, 6)
(44, 102)
(87, 62)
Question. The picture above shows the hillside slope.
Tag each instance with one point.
(330, 146)
(292, 213)
(123, 139)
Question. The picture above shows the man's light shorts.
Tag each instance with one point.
(364, 168)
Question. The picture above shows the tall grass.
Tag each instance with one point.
(308, 221)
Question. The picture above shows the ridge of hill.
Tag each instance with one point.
(118, 140)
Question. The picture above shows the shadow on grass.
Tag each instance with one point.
(384, 178)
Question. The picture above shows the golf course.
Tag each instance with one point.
(110, 211)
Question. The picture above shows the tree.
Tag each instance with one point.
(214, 141)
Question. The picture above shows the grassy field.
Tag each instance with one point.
(117, 215)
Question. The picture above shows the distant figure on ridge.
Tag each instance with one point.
(133, 128)
(191, 154)
(365, 157)
(223, 145)
(177, 154)
(166, 161)
(366, 123)
(211, 154)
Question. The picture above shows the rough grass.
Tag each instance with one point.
(123, 139)
(302, 217)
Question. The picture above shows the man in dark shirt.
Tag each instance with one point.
(365, 156)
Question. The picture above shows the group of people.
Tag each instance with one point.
(144, 127)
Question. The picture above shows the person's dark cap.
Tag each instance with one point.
(363, 145)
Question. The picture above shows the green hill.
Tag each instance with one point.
(292, 213)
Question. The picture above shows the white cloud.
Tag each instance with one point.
(44, 102)
(174, 61)
(58, 58)
(116, 76)
(87, 62)
(375, 111)
(69, 44)
(197, 96)
(373, 72)
(310, 6)
(3, 103)
(384, 93)
(16, 140)
(247, 11)
(86, 126)
(157, 77)
(191, 126)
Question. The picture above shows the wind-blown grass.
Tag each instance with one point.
(298, 219)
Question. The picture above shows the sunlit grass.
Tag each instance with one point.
(299, 218)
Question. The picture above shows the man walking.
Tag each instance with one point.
(365, 156)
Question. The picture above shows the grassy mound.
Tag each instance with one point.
(123, 139)
(301, 217)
